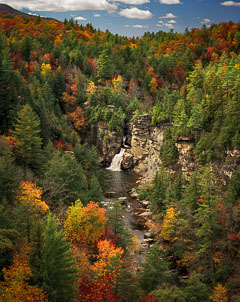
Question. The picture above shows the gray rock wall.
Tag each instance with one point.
(144, 155)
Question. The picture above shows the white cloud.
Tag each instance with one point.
(170, 2)
(79, 18)
(133, 2)
(230, 3)
(96, 15)
(126, 25)
(170, 26)
(168, 15)
(135, 13)
(63, 5)
(139, 26)
(205, 21)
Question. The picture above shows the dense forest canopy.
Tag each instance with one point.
(58, 81)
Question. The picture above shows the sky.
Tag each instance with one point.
(134, 17)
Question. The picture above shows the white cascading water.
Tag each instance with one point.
(116, 161)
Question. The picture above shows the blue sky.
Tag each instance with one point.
(134, 17)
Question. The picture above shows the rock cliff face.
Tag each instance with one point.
(144, 155)
(108, 143)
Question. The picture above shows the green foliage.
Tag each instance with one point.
(64, 180)
(52, 263)
(9, 237)
(154, 272)
(158, 194)
(10, 177)
(28, 139)
(194, 289)
(9, 78)
(104, 66)
(168, 151)
(114, 214)
(163, 109)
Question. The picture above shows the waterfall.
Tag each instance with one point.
(116, 161)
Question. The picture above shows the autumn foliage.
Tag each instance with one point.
(31, 195)
(16, 287)
(85, 225)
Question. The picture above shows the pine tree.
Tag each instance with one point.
(104, 66)
(28, 140)
(52, 264)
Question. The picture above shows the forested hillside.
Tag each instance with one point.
(58, 81)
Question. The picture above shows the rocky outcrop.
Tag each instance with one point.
(185, 155)
(108, 143)
(144, 155)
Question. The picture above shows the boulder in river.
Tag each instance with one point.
(123, 200)
(110, 194)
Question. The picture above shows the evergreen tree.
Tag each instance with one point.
(28, 140)
(168, 152)
(104, 66)
(154, 270)
(51, 262)
(64, 179)
(11, 88)
(10, 176)
(119, 228)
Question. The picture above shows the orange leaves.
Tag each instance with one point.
(15, 288)
(153, 85)
(69, 102)
(85, 225)
(69, 99)
(107, 253)
(219, 294)
(30, 195)
(106, 270)
(78, 119)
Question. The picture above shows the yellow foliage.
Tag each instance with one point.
(31, 195)
(15, 288)
(151, 69)
(91, 88)
(45, 69)
(117, 82)
(153, 85)
(69, 101)
(85, 225)
(217, 257)
(169, 223)
(132, 45)
(134, 246)
(219, 294)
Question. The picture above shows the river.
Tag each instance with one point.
(119, 183)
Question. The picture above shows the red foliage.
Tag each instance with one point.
(201, 200)
(234, 237)
(61, 144)
(100, 290)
